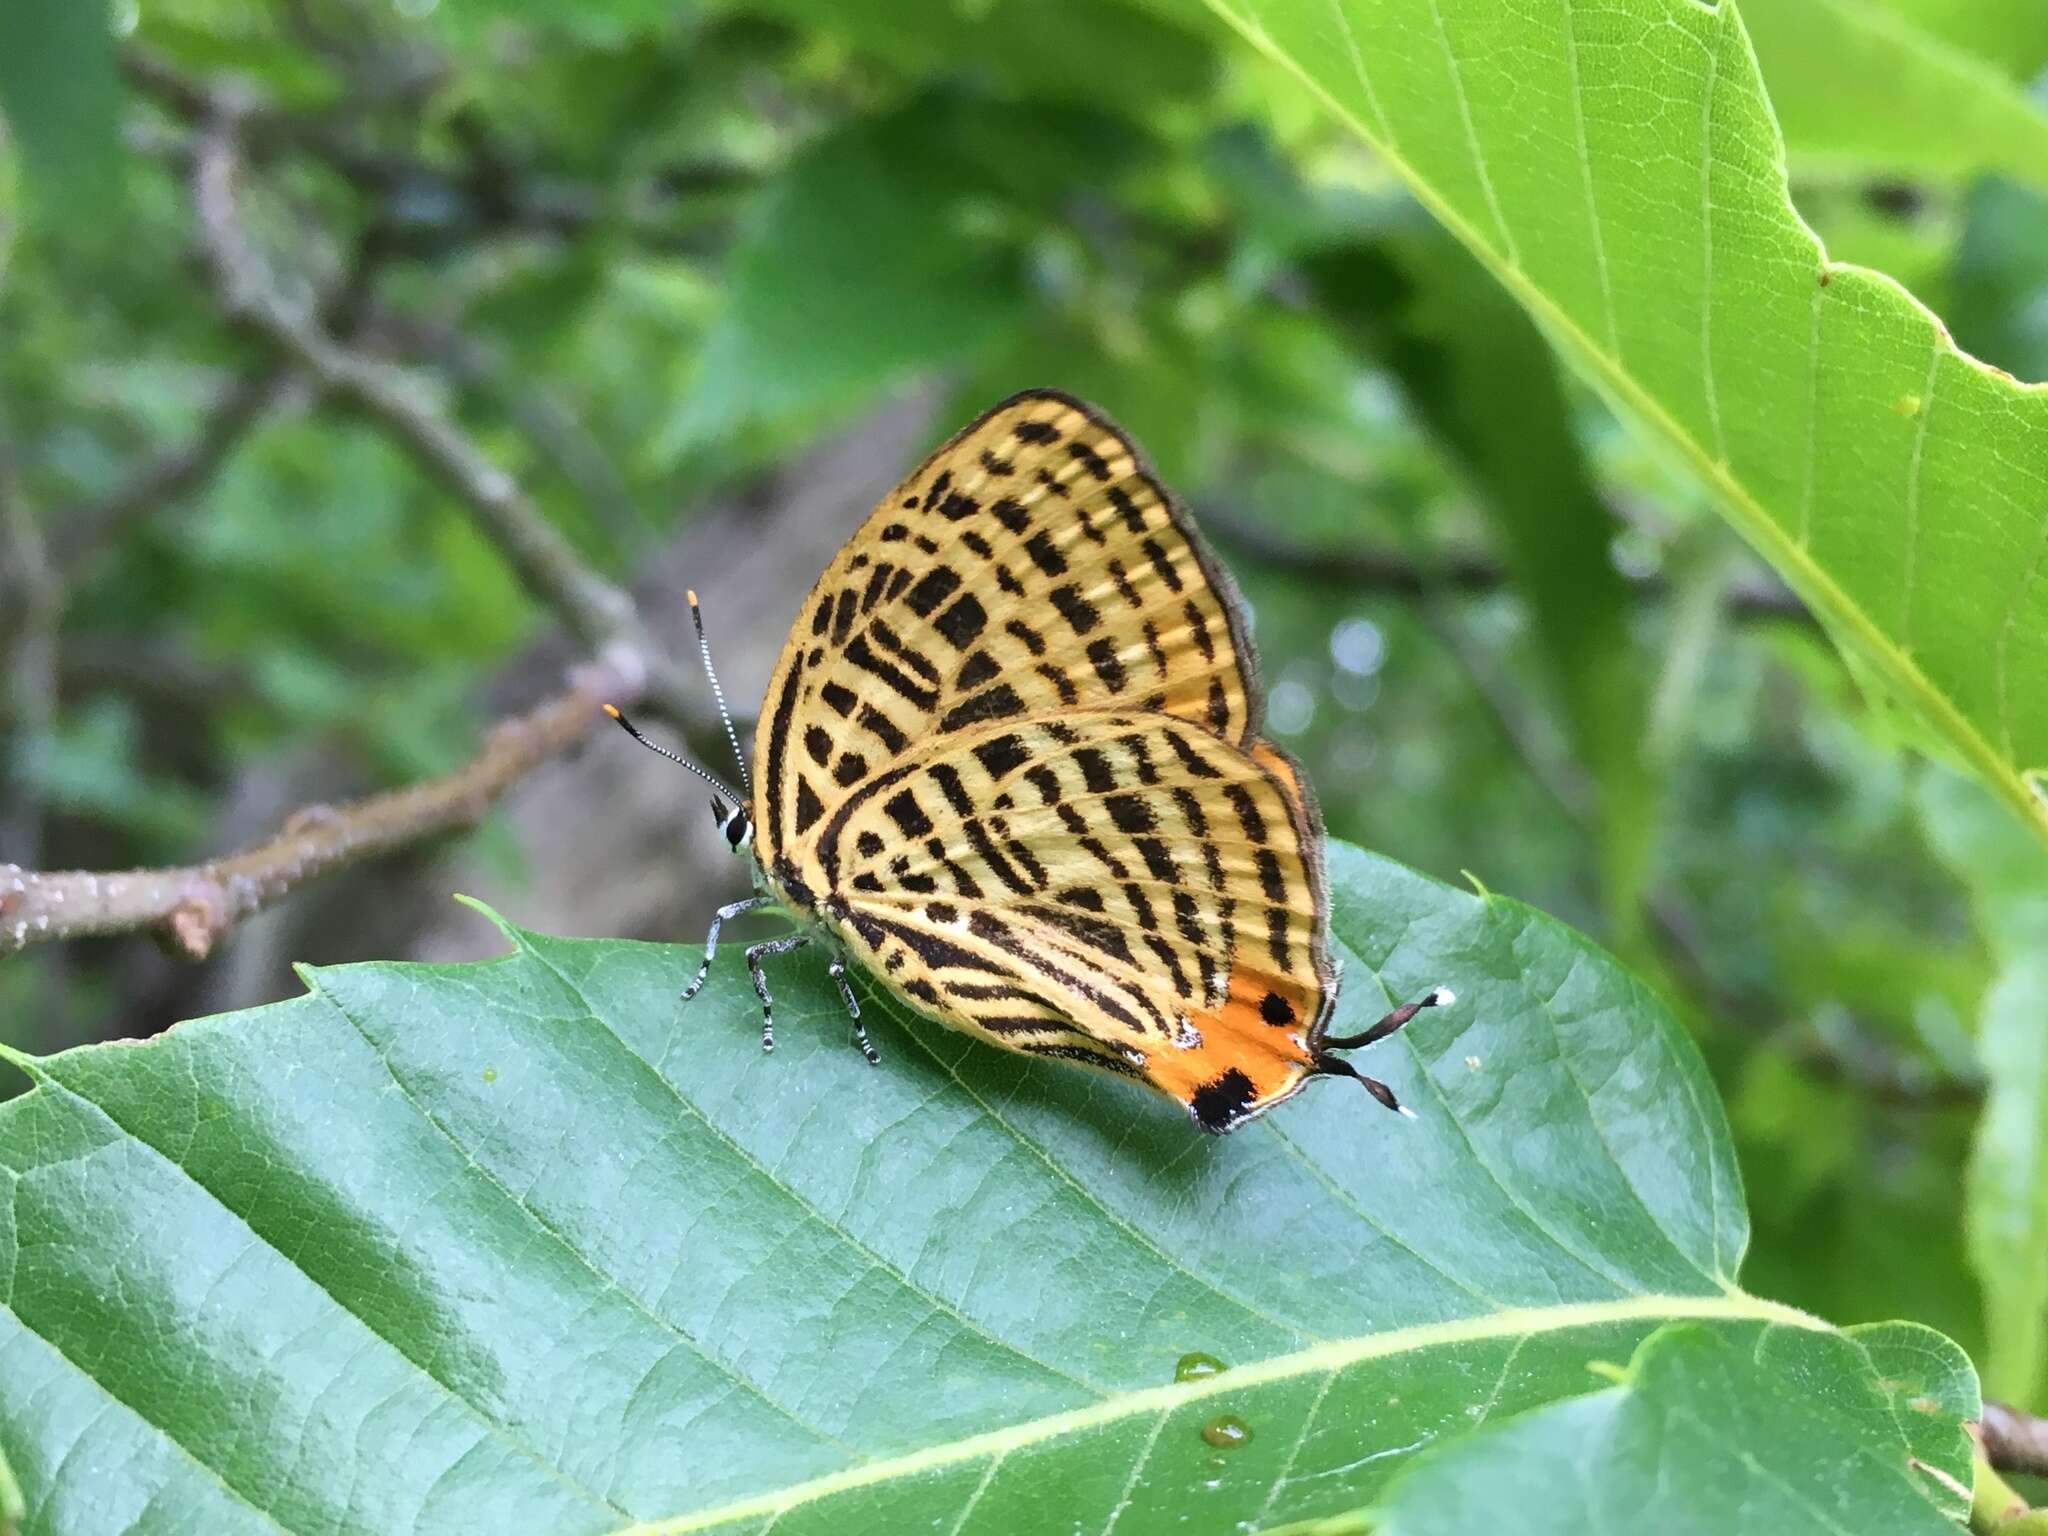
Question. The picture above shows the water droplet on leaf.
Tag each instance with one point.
(1227, 1432)
(1194, 1365)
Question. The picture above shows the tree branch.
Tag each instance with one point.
(83, 530)
(1384, 571)
(482, 190)
(596, 612)
(2014, 1441)
(193, 908)
(547, 422)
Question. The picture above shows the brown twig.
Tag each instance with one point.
(2014, 1441)
(193, 908)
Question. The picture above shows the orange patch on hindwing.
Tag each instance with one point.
(1256, 1050)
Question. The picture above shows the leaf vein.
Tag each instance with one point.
(487, 1424)
(1912, 541)
(1347, 1199)
(1810, 579)
(1500, 223)
(1571, 54)
(561, 1240)
(1330, 1355)
(1089, 1196)
(796, 1197)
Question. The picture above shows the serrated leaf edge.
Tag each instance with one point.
(1813, 582)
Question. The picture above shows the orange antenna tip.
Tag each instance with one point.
(610, 709)
(690, 597)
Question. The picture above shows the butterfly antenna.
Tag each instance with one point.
(718, 693)
(633, 731)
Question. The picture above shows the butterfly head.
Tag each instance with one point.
(734, 825)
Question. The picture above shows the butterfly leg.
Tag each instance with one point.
(733, 909)
(755, 954)
(837, 971)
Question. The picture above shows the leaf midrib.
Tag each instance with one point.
(1319, 1359)
(1810, 578)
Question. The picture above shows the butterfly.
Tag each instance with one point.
(1010, 766)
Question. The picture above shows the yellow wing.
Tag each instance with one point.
(1125, 890)
(1031, 566)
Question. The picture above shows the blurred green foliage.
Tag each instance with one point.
(1504, 635)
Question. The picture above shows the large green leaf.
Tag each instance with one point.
(1618, 169)
(511, 1247)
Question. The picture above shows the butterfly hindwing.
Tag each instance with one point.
(1032, 565)
(1124, 890)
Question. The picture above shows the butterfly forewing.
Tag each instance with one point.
(1031, 565)
(1009, 754)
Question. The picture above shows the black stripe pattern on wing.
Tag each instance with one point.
(1033, 564)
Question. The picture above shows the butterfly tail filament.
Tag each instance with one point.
(1328, 1065)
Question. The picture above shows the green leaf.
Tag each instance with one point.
(889, 247)
(2006, 1195)
(2007, 1189)
(11, 1506)
(514, 1247)
(1800, 1432)
(62, 101)
(1618, 170)
(1860, 88)
(1099, 53)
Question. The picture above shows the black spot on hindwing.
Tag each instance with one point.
(1222, 1101)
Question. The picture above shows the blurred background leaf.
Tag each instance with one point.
(2007, 1193)
(61, 98)
(1863, 88)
